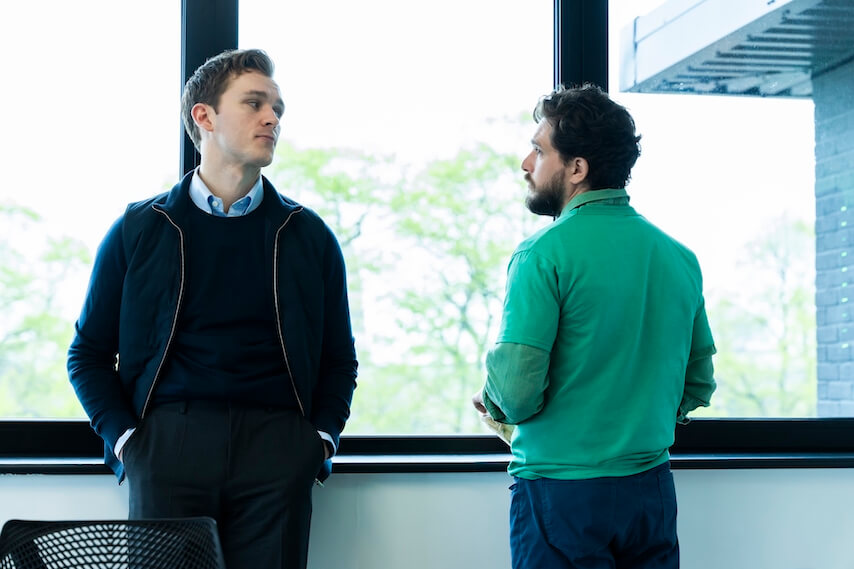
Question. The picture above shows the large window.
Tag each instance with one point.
(405, 127)
(90, 123)
(744, 122)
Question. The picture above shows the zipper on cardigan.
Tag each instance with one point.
(317, 481)
(174, 317)
(278, 308)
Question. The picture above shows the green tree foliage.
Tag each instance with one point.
(765, 329)
(426, 251)
(34, 331)
(426, 248)
(432, 283)
(461, 218)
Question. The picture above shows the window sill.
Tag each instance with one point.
(70, 447)
(448, 463)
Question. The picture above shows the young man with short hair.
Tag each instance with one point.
(214, 352)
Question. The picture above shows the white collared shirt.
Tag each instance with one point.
(209, 203)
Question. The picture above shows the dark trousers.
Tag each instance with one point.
(601, 523)
(252, 470)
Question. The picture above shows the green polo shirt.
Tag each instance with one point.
(604, 343)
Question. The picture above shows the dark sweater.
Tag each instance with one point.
(226, 347)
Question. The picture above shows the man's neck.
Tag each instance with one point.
(572, 191)
(228, 184)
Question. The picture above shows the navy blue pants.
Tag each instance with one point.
(615, 523)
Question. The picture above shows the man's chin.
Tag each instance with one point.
(539, 206)
(263, 161)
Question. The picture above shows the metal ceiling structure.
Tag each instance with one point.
(767, 48)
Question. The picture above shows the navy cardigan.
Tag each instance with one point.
(134, 300)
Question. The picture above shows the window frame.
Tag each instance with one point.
(71, 447)
(580, 54)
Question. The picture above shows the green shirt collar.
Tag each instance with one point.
(594, 196)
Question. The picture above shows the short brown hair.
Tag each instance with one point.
(211, 79)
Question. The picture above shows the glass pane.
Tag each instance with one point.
(747, 159)
(405, 128)
(91, 123)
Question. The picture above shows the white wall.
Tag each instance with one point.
(728, 519)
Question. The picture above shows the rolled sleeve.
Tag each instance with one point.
(516, 380)
(700, 371)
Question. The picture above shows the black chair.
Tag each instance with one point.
(187, 543)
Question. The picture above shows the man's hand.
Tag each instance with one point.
(505, 432)
(477, 401)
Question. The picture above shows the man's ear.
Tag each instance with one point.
(577, 168)
(203, 115)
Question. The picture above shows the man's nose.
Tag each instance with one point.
(525, 162)
(272, 118)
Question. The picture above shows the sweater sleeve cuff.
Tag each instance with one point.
(328, 438)
(492, 408)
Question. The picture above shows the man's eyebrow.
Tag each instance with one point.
(254, 93)
(278, 102)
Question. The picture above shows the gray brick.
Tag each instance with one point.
(833, 129)
(834, 137)
(826, 186)
(828, 408)
(840, 184)
(828, 373)
(839, 353)
(829, 222)
(821, 316)
(839, 391)
(828, 334)
(846, 333)
(840, 313)
(834, 230)
(831, 260)
(846, 409)
(834, 164)
(831, 278)
(840, 239)
(828, 297)
(830, 204)
(846, 371)
(827, 241)
(828, 89)
(845, 182)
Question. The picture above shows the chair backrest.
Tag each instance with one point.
(185, 543)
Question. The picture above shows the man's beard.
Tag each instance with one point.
(547, 199)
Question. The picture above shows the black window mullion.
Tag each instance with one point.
(581, 42)
(208, 27)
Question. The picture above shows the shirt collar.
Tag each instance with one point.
(204, 199)
(594, 196)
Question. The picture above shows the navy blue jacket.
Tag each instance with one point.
(131, 312)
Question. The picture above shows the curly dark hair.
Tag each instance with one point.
(211, 79)
(587, 124)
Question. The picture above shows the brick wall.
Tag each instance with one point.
(833, 94)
